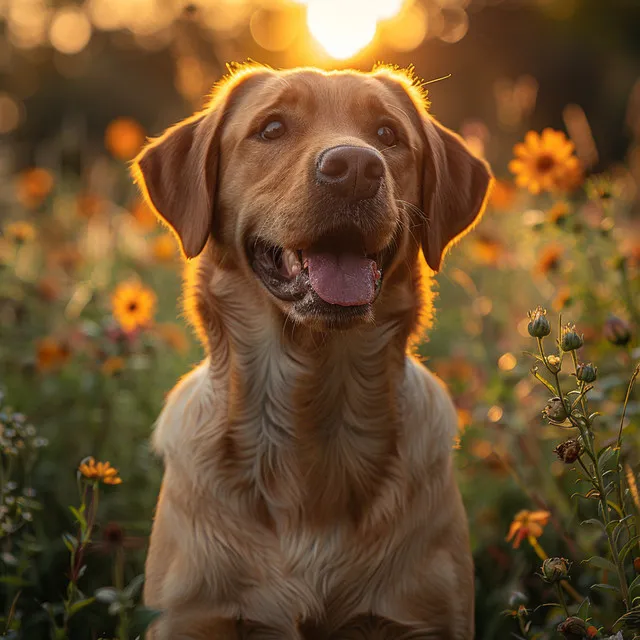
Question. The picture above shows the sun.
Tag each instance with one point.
(344, 27)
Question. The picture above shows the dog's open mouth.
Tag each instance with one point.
(334, 271)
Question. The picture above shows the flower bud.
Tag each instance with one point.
(554, 363)
(517, 599)
(555, 569)
(636, 564)
(555, 410)
(570, 340)
(586, 372)
(538, 326)
(617, 331)
(573, 629)
(569, 451)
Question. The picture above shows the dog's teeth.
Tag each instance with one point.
(290, 263)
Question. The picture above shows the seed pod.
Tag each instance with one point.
(586, 372)
(538, 326)
(617, 331)
(573, 629)
(555, 410)
(555, 569)
(569, 451)
(570, 340)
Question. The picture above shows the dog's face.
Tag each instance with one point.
(317, 185)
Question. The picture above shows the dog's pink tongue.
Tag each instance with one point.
(345, 279)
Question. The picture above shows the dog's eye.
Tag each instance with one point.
(387, 135)
(273, 130)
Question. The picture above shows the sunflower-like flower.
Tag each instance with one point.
(546, 162)
(133, 305)
(527, 524)
(19, 232)
(101, 471)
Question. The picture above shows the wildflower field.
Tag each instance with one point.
(535, 333)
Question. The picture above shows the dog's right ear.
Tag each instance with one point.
(177, 174)
(178, 171)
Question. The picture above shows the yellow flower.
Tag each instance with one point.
(123, 138)
(133, 305)
(527, 524)
(102, 471)
(20, 232)
(546, 162)
(164, 248)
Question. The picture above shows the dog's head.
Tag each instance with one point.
(316, 184)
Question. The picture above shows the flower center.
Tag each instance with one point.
(544, 163)
(132, 306)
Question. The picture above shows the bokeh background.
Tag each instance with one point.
(83, 83)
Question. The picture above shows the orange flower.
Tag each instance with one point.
(34, 185)
(50, 354)
(112, 365)
(133, 305)
(173, 335)
(101, 471)
(145, 218)
(164, 248)
(48, 288)
(123, 138)
(527, 524)
(562, 299)
(89, 205)
(20, 232)
(549, 259)
(545, 162)
(487, 250)
(558, 212)
(502, 195)
(68, 257)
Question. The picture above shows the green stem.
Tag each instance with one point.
(596, 479)
(563, 602)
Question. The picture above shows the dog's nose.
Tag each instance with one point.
(351, 172)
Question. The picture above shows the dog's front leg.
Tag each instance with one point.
(437, 601)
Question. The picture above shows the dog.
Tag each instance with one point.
(308, 488)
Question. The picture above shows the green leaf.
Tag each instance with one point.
(604, 455)
(595, 522)
(133, 588)
(602, 563)
(81, 604)
(628, 546)
(107, 595)
(606, 587)
(14, 581)
(143, 617)
(71, 542)
(78, 515)
(583, 609)
(634, 588)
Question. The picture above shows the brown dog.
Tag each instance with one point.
(309, 490)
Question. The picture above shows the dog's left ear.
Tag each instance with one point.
(455, 186)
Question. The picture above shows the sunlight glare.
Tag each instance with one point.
(344, 27)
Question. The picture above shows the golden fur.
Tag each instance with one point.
(308, 490)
